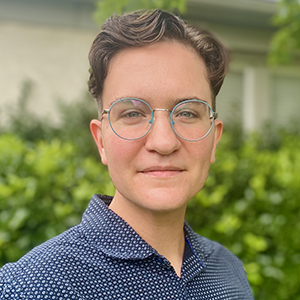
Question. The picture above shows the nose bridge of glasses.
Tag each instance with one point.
(160, 109)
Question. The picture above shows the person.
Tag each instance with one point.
(155, 79)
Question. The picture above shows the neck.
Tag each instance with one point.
(162, 230)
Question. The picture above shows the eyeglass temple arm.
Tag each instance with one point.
(214, 115)
(105, 111)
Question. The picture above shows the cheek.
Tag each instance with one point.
(202, 152)
(200, 159)
(121, 161)
(115, 161)
(120, 153)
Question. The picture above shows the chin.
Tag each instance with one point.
(164, 201)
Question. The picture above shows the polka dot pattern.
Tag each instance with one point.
(104, 258)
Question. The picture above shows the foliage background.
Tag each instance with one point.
(285, 44)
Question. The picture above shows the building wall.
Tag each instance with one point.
(54, 59)
(46, 43)
(255, 92)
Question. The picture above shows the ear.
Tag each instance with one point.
(96, 130)
(218, 129)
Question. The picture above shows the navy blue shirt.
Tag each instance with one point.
(104, 258)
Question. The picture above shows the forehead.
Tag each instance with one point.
(161, 73)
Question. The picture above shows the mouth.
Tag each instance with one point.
(162, 172)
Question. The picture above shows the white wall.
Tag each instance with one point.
(285, 93)
(55, 59)
(257, 92)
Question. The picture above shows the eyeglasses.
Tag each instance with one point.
(132, 118)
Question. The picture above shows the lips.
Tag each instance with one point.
(160, 171)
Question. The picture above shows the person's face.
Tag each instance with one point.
(159, 172)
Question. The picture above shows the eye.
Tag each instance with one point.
(132, 114)
(187, 114)
(191, 111)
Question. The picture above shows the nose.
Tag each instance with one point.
(161, 138)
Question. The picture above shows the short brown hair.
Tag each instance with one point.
(148, 27)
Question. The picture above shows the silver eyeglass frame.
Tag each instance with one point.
(213, 115)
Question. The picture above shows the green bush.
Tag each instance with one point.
(73, 126)
(44, 189)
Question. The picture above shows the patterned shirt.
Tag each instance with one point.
(104, 258)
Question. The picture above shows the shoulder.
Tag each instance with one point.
(221, 263)
(41, 267)
(212, 252)
(216, 254)
(224, 258)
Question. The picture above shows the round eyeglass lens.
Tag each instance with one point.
(192, 120)
(130, 118)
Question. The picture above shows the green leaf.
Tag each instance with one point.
(18, 218)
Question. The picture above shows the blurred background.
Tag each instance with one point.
(49, 167)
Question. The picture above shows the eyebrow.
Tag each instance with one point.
(188, 98)
(123, 97)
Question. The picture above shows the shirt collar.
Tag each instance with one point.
(201, 247)
(116, 238)
(110, 233)
(197, 252)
